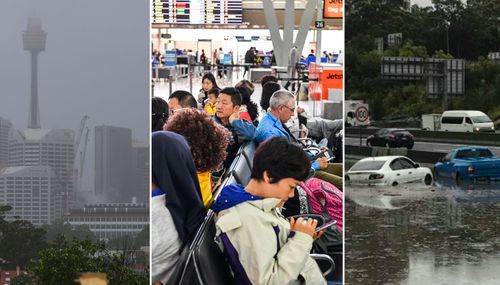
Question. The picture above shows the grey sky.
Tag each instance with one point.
(96, 63)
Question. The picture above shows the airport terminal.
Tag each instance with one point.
(284, 61)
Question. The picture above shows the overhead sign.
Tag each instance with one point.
(453, 70)
(402, 68)
(494, 55)
(394, 39)
(362, 115)
(319, 24)
(333, 9)
(197, 11)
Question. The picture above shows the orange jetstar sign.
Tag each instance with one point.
(333, 8)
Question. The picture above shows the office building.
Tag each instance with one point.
(113, 164)
(47, 147)
(29, 190)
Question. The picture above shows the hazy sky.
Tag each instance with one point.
(96, 63)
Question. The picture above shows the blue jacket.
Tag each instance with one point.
(269, 127)
(241, 131)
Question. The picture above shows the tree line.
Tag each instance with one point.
(58, 253)
(448, 29)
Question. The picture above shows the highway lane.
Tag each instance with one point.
(424, 146)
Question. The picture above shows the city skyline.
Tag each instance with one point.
(76, 73)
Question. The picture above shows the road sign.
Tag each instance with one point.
(402, 68)
(361, 115)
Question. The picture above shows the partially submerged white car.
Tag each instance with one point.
(387, 170)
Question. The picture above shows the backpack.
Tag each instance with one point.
(309, 198)
(316, 196)
(324, 199)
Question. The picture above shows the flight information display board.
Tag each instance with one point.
(197, 11)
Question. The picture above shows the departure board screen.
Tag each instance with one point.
(197, 11)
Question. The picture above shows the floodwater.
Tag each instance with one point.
(423, 235)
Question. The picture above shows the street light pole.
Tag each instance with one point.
(447, 26)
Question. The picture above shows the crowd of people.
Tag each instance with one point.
(195, 140)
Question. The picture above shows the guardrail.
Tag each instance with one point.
(416, 155)
(489, 139)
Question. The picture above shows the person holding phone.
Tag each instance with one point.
(261, 246)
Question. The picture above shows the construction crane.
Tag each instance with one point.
(79, 134)
(77, 148)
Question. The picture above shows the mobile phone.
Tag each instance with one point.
(326, 225)
(319, 153)
(330, 158)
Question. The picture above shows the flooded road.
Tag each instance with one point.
(422, 235)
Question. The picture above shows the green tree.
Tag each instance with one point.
(62, 263)
(20, 241)
(60, 227)
(470, 27)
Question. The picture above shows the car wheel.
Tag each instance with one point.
(395, 183)
(428, 179)
(409, 147)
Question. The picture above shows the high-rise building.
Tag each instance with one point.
(45, 147)
(140, 171)
(5, 126)
(113, 164)
(29, 191)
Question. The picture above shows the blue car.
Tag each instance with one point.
(476, 164)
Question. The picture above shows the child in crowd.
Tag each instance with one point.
(210, 107)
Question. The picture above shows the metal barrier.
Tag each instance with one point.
(416, 155)
(490, 139)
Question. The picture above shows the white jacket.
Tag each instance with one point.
(254, 228)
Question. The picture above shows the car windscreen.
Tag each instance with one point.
(481, 119)
(368, 165)
(474, 153)
(402, 133)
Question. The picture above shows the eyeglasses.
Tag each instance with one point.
(291, 109)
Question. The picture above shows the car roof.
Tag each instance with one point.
(385, 158)
(394, 129)
(464, 112)
(470, 147)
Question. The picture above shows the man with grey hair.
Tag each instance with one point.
(282, 107)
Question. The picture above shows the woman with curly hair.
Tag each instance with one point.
(208, 142)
